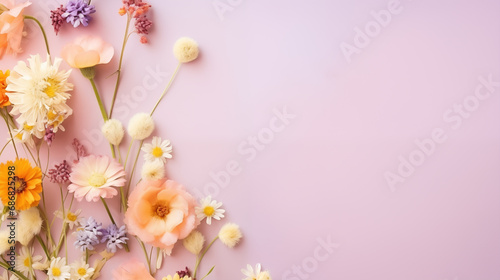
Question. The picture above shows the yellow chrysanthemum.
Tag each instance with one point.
(21, 183)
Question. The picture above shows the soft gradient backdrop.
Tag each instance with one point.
(360, 104)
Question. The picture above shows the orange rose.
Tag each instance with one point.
(11, 27)
(4, 99)
(160, 213)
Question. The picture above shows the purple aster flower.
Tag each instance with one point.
(60, 173)
(93, 227)
(78, 12)
(85, 240)
(56, 17)
(114, 237)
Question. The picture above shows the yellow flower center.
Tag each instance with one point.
(161, 210)
(157, 152)
(82, 271)
(52, 88)
(97, 180)
(19, 136)
(27, 127)
(27, 262)
(72, 217)
(209, 211)
(19, 184)
(51, 115)
(56, 271)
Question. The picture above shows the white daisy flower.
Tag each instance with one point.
(25, 260)
(209, 209)
(81, 270)
(5, 276)
(58, 270)
(72, 218)
(250, 273)
(157, 151)
(38, 93)
(255, 274)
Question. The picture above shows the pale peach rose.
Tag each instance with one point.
(11, 27)
(132, 270)
(87, 51)
(161, 213)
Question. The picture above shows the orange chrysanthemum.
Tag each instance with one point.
(25, 184)
(4, 99)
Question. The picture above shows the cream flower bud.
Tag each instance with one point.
(194, 242)
(153, 170)
(140, 126)
(28, 225)
(185, 50)
(113, 131)
(230, 234)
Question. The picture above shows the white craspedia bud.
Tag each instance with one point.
(113, 131)
(186, 50)
(154, 170)
(140, 126)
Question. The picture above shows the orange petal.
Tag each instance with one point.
(87, 59)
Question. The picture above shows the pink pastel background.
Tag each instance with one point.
(321, 178)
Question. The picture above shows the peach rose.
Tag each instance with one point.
(87, 51)
(11, 26)
(160, 213)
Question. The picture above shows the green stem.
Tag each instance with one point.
(17, 273)
(107, 210)
(119, 71)
(133, 169)
(198, 261)
(42, 244)
(5, 146)
(10, 131)
(145, 254)
(98, 97)
(166, 88)
(43, 31)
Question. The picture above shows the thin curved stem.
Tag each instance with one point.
(133, 169)
(43, 32)
(166, 88)
(99, 100)
(10, 131)
(198, 261)
(107, 210)
(145, 254)
(119, 71)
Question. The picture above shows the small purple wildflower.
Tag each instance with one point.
(78, 12)
(115, 237)
(184, 272)
(80, 150)
(57, 18)
(49, 135)
(88, 236)
(60, 173)
(85, 240)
